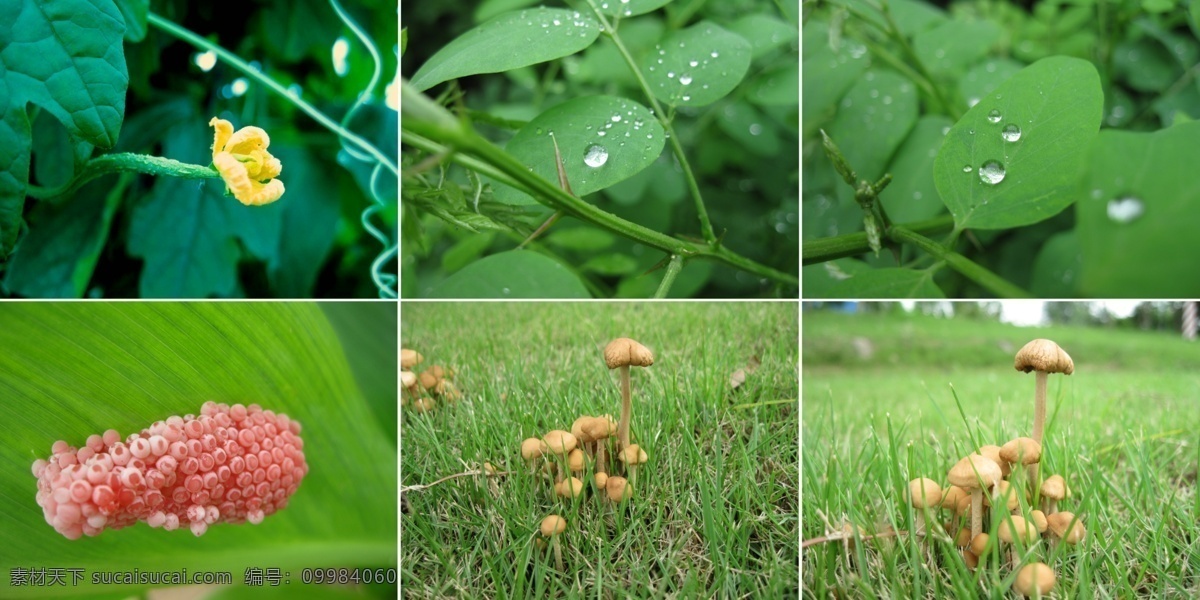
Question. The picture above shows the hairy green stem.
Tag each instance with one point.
(971, 270)
(832, 248)
(125, 162)
(257, 75)
(676, 148)
(435, 130)
(668, 279)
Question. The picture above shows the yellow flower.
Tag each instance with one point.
(242, 159)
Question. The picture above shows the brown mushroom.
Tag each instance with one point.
(1023, 451)
(1044, 357)
(975, 473)
(1015, 529)
(923, 494)
(1066, 527)
(618, 489)
(531, 450)
(552, 526)
(623, 353)
(993, 452)
(632, 456)
(1054, 489)
(1034, 580)
(410, 358)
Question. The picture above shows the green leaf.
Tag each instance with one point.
(513, 274)
(581, 239)
(951, 46)
(821, 279)
(778, 87)
(1136, 214)
(602, 62)
(1194, 18)
(696, 66)
(75, 72)
(70, 370)
(744, 123)
(1057, 267)
(630, 8)
(911, 16)
(874, 118)
(983, 78)
(58, 257)
(827, 74)
(134, 13)
(912, 195)
(187, 231)
(466, 250)
(619, 136)
(1056, 103)
(53, 152)
(764, 32)
(610, 264)
(297, 28)
(490, 8)
(887, 283)
(511, 40)
(368, 332)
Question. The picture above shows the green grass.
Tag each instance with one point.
(716, 509)
(1122, 430)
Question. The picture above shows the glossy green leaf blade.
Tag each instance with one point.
(827, 73)
(912, 195)
(696, 66)
(1136, 218)
(67, 57)
(777, 87)
(983, 78)
(887, 283)
(1058, 266)
(15, 143)
(764, 32)
(951, 46)
(134, 12)
(58, 256)
(509, 41)
(70, 370)
(873, 120)
(602, 139)
(630, 8)
(1056, 105)
(513, 274)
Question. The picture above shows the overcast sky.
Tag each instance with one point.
(1027, 313)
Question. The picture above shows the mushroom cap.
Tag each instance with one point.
(624, 352)
(1058, 522)
(601, 479)
(1055, 488)
(1008, 492)
(924, 493)
(1017, 528)
(969, 472)
(577, 429)
(553, 525)
(956, 498)
(410, 358)
(970, 559)
(489, 469)
(559, 442)
(1022, 450)
(429, 380)
(963, 539)
(618, 489)
(1039, 520)
(421, 405)
(408, 379)
(441, 372)
(633, 455)
(575, 459)
(599, 428)
(1034, 578)
(445, 388)
(1043, 355)
(979, 544)
(993, 452)
(570, 487)
(531, 448)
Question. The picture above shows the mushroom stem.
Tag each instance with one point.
(1051, 505)
(557, 552)
(626, 408)
(1039, 419)
(976, 512)
(633, 476)
(600, 445)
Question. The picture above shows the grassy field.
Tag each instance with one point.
(716, 510)
(880, 408)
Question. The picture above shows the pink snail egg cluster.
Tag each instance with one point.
(231, 464)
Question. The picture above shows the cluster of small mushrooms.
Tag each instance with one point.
(586, 453)
(1005, 479)
(423, 390)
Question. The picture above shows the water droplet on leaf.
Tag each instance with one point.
(595, 156)
(991, 172)
(1125, 210)
(1011, 132)
(994, 116)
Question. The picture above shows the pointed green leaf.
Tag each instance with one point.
(603, 140)
(989, 182)
(509, 41)
(1137, 213)
(696, 66)
(513, 274)
(912, 195)
(630, 8)
(887, 283)
(951, 46)
(71, 370)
